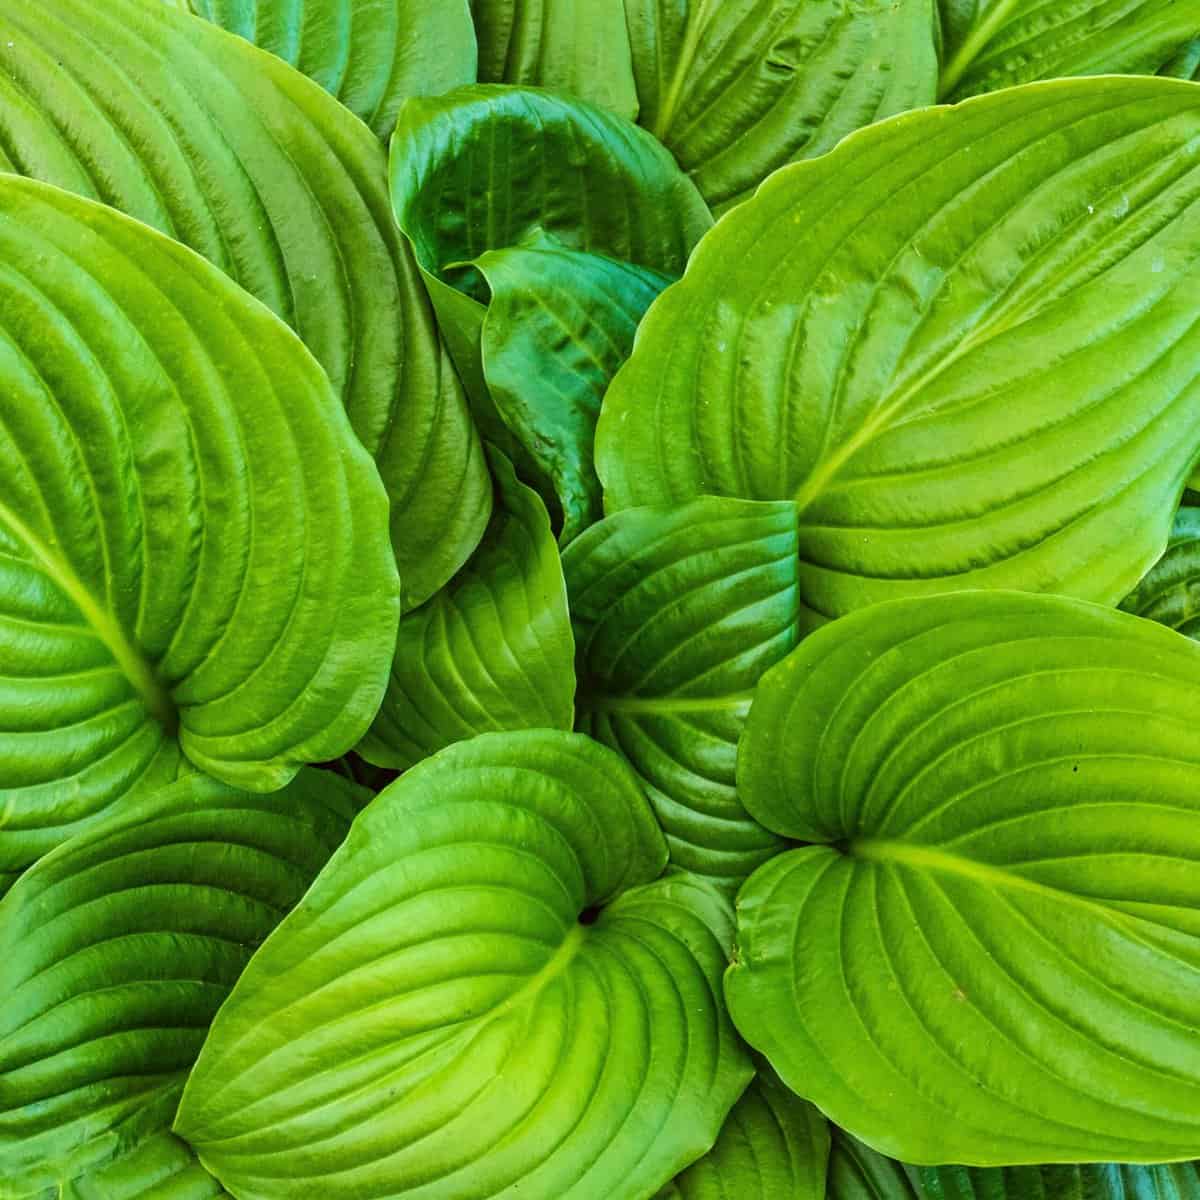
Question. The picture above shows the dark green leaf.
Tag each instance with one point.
(995, 960)
(491, 651)
(1104, 1181)
(856, 1172)
(964, 344)
(1185, 64)
(435, 1019)
(1170, 592)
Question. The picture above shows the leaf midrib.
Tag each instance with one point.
(968, 52)
(128, 657)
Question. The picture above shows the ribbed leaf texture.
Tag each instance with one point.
(1103, 1181)
(193, 547)
(436, 1021)
(856, 1172)
(1170, 591)
(993, 957)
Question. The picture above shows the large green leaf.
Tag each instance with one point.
(678, 612)
(964, 344)
(576, 46)
(491, 651)
(239, 156)
(559, 325)
(486, 167)
(116, 951)
(995, 959)
(435, 1020)
(856, 1172)
(193, 546)
(994, 44)
(737, 88)
(370, 56)
(773, 1146)
(1170, 591)
(1105, 1181)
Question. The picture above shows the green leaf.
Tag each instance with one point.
(116, 951)
(737, 88)
(485, 167)
(453, 1029)
(994, 44)
(1106, 1181)
(856, 1172)
(996, 958)
(491, 651)
(964, 344)
(1185, 64)
(192, 542)
(559, 324)
(773, 1146)
(370, 56)
(678, 612)
(231, 151)
(1170, 592)
(575, 46)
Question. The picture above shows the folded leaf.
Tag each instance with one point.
(856, 1172)
(737, 88)
(237, 155)
(115, 953)
(996, 958)
(559, 324)
(435, 1019)
(370, 56)
(485, 167)
(678, 612)
(1170, 591)
(193, 547)
(491, 651)
(1105, 1181)
(964, 344)
(773, 1146)
(575, 46)
(994, 44)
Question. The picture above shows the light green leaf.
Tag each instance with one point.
(737, 88)
(370, 56)
(1185, 64)
(856, 1172)
(995, 960)
(964, 344)
(192, 542)
(491, 651)
(1170, 592)
(116, 951)
(994, 44)
(773, 1146)
(559, 324)
(452, 1028)
(678, 612)
(486, 167)
(575, 46)
(234, 153)
(1105, 1181)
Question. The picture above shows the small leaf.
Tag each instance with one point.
(1170, 591)
(453, 1028)
(678, 612)
(964, 344)
(370, 56)
(491, 651)
(116, 951)
(193, 548)
(994, 957)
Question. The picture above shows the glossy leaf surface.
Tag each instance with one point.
(575, 46)
(115, 953)
(370, 56)
(491, 651)
(1170, 591)
(995, 959)
(1102, 1181)
(237, 155)
(994, 44)
(678, 612)
(1185, 64)
(434, 1020)
(964, 344)
(192, 542)
(773, 1146)
(559, 325)
(738, 88)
